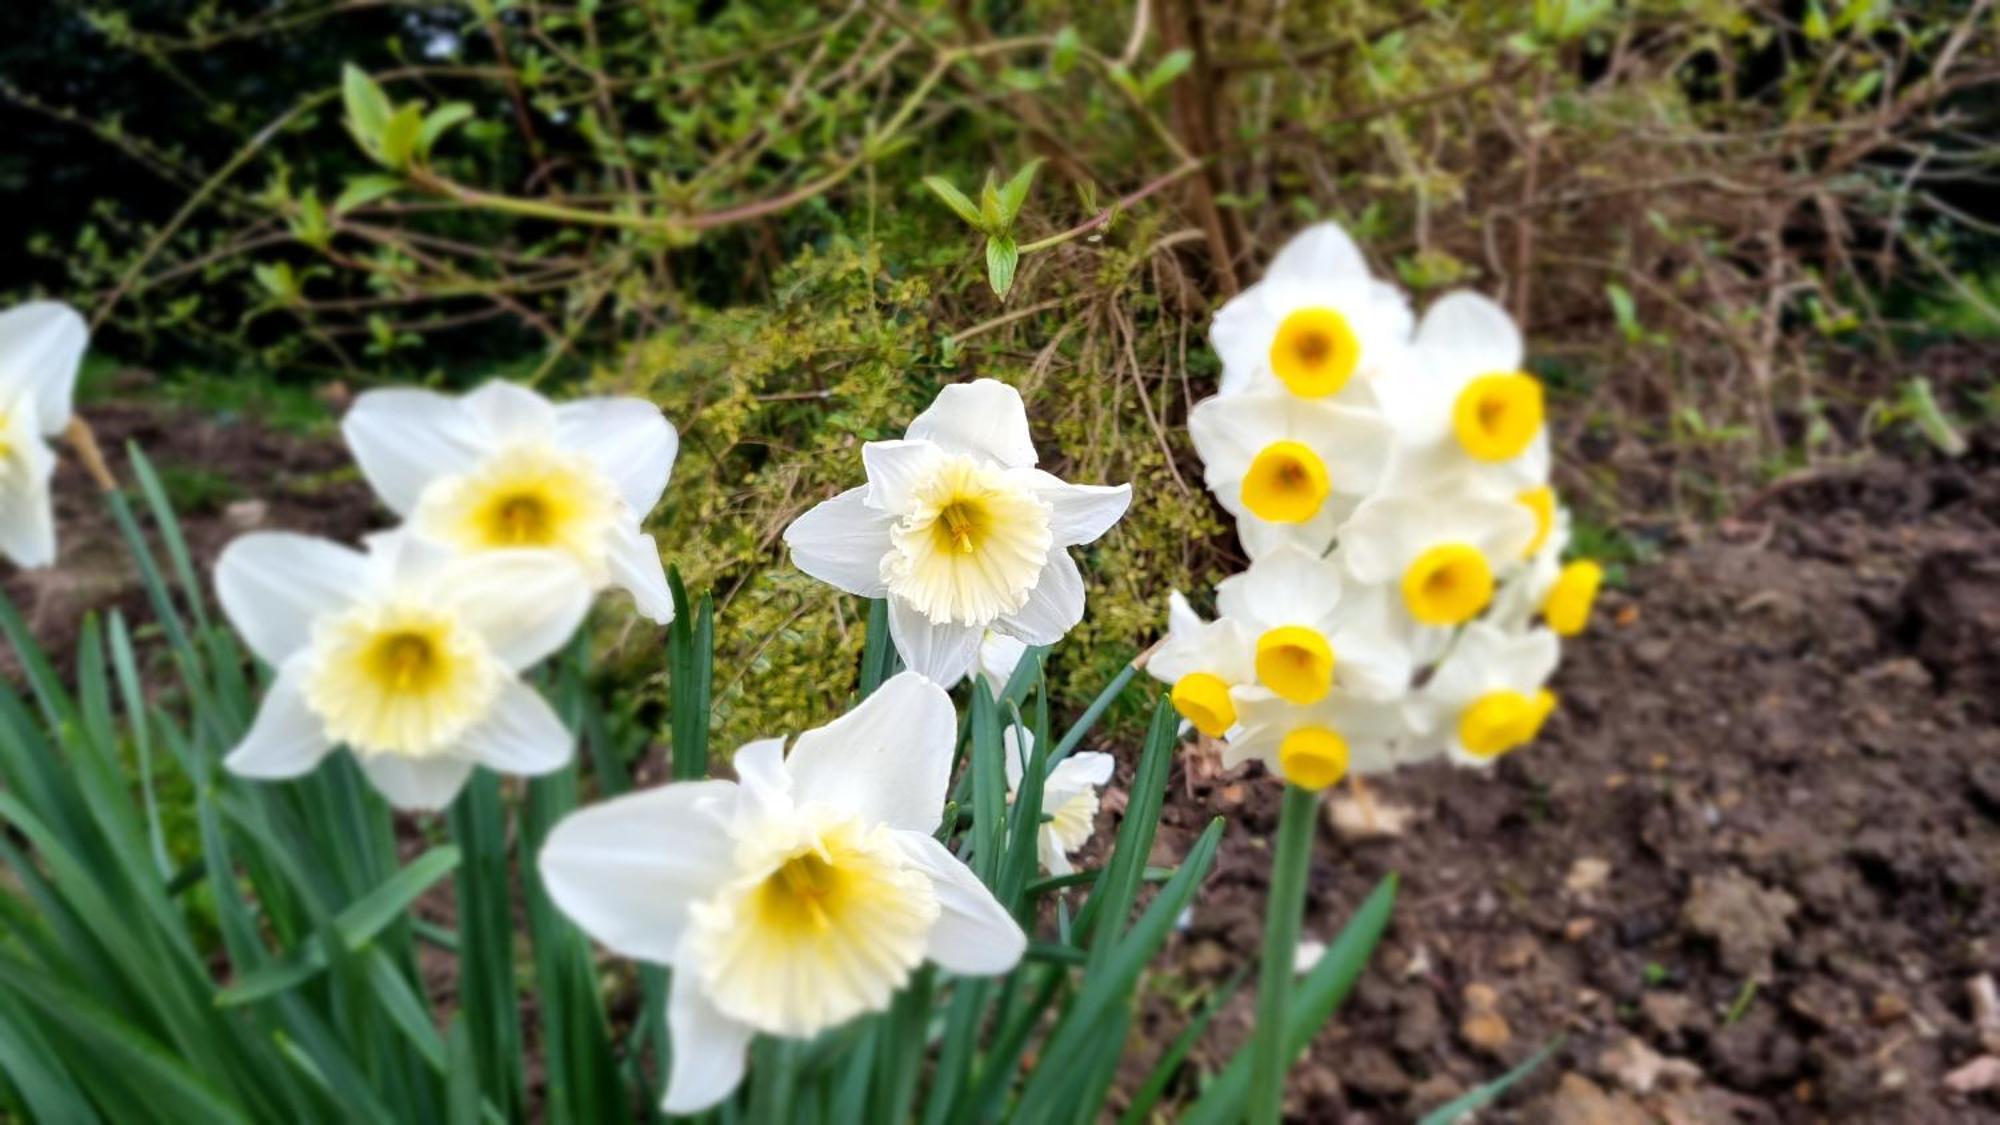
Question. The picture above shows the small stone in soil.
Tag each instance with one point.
(1746, 920)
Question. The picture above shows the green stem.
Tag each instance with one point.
(1284, 911)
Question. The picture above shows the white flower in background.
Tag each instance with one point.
(502, 467)
(1308, 637)
(1443, 552)
(999, 654)
(794, 899)
(1465, 413)
(1202, 660)
(1069, 797)
(960, 532)
(1487, 695)
(1319, 325)
(41, 346)
(409, 654)
(1315, 745)
(1288, 469)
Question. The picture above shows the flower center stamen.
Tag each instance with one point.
(958, 521)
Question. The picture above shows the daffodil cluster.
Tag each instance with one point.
(1389, 478)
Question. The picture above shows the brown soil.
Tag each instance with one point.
(1761, 840)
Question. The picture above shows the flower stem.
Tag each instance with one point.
(1289, 863)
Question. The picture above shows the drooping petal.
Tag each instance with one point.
(272, 584)
(286, 739)
(521, 734)
(984, 417)
(41, 346)
(708, 1049)
(895, 468)
(403, 439)
(1079, 513)
(634, 560)
(1054, 606)
(629, 439)
(888, 761)
(510, 412)
(842, 541)
(525, 603)
(627, 869)
(941, 652)
(27, 512)
(416, 784)
(974, 934)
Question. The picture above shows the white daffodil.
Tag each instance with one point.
(1465, 410)
(1202, 660)
(1308, 637)
(1069, 797)
(409, 654)
(999, 654)
(41, 345)
(960, 532)
(1319, 325)
(1443, 552)
(1289, 470)
(794, 899)
(502, 467)
(1315, 745)
(1487, 695)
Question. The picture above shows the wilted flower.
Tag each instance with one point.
(960, 532)
(1288, 469)
(794, 899)
(502, 467)
(41, 345)
(1069, 797)
(409, 654)
(1202, 660)
(1319, 325)
(1486, 696)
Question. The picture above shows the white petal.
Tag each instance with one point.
(1016, 746)
(1182, 620)
(1468, 334)
(999, 656)
(765, 785)
(1287, 585)
(1261, 537)
(272, 584)
(842, 541)
(41, 346)
(626, 870)
(286, 739)
(525, 603)
(634, 559)
(629, 439)
(708, 1049)
(894, 468)
(522, 734)
(27, 513)
(510, 412)
(416, 784)
(984, 417)
(1054, 606)
(1090, 769)
(1321, 252)
(974, 934)
(888, 760)
(941, 652)
(1079, 513)
(404, 439)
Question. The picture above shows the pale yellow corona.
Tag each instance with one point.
(971, 547)
(532, 495)
(400, 679)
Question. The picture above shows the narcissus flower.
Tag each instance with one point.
(1561, 593)
(409, 654)
(1289, 470)
(1444, 557)
(1465, 411)
(503, 468)
(41, 345)
(1069, 797)
(1307, 636)
(793, 899)
(960, 532)
(1315, 745)
(1487, 695)
(1202, 660)
(1318, 326)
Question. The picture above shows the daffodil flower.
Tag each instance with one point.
(1444, 553)
(41, 345)
(502, 468)
(794, 899)
(1317, 744)
(1486, 696)
(1466, 410)
(1069, 797)
(1289, 470)
(999, 654)
(960, 532)
(1308, 636)
(409, 654)
(1562, 594)
(1318, 326)
(1201, 661)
